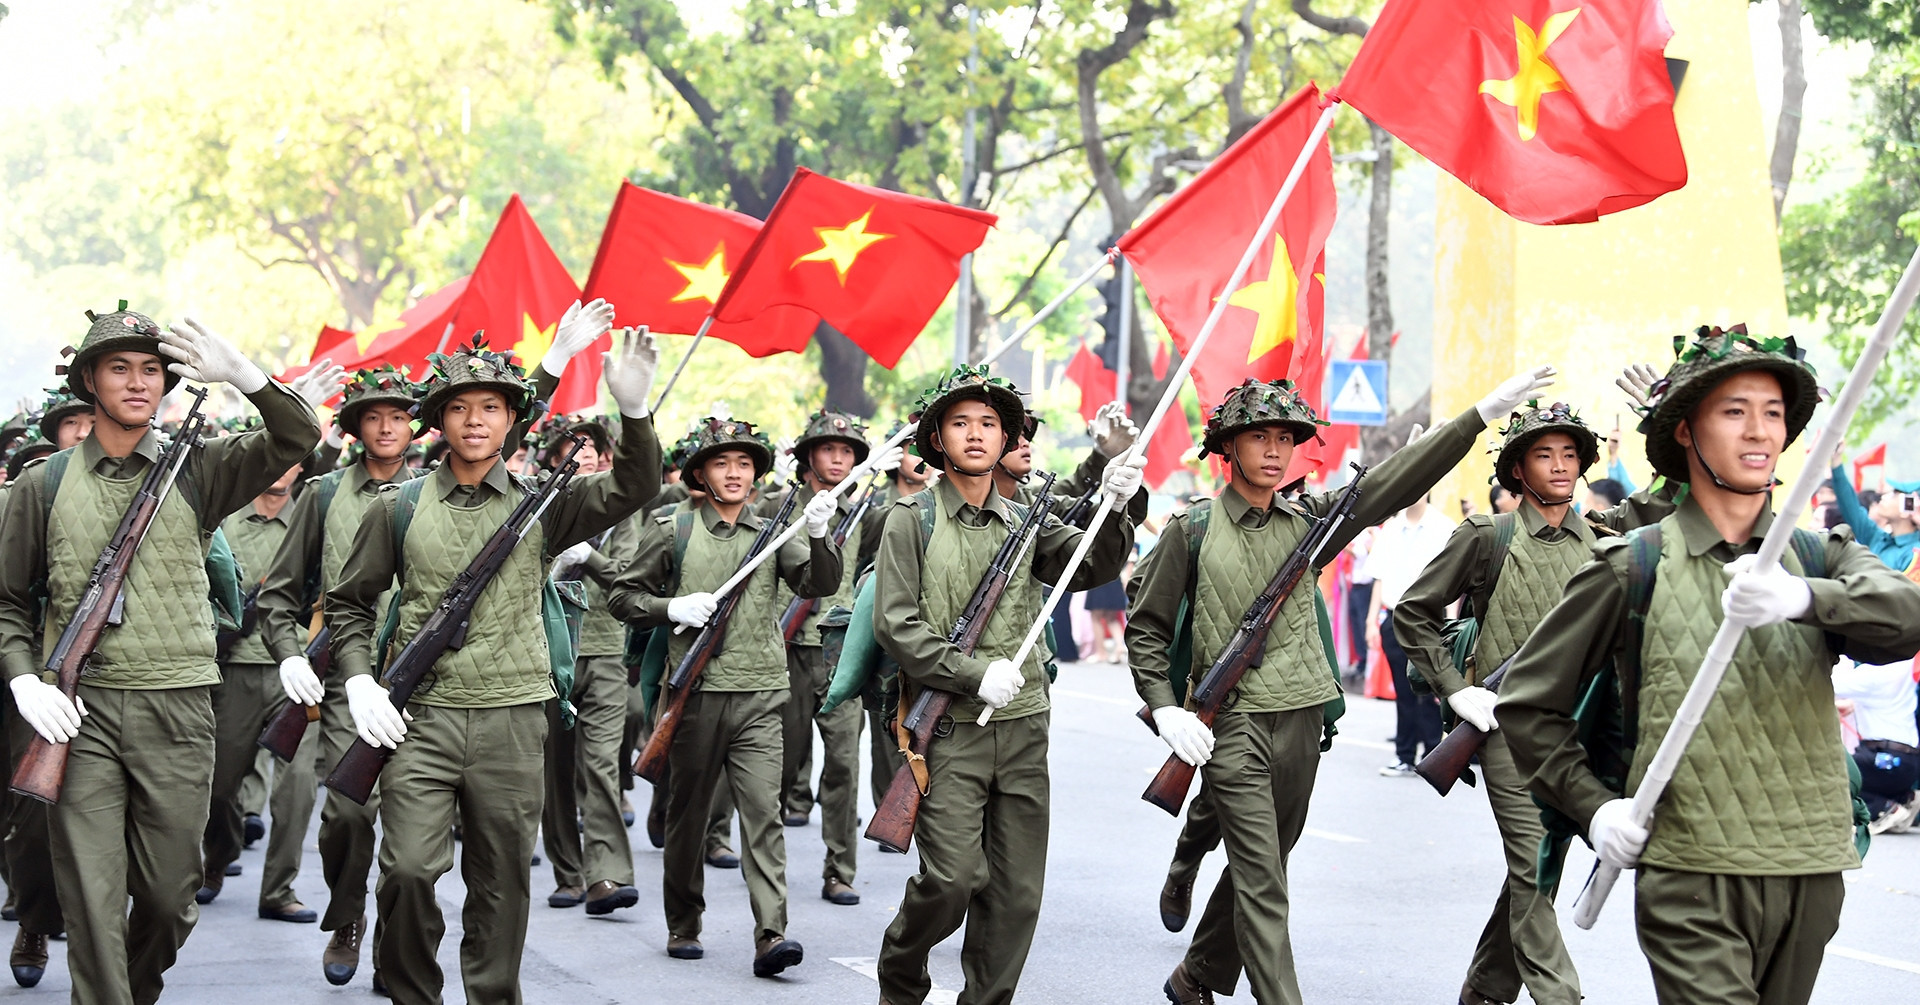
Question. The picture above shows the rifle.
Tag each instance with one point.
(652, 762)
(1076, 515)
(223, 642)
(446, 627)
(893, 821)
(801, 608)
(1219, 688)
(43, 768)
(1448, 761)
(289, 725)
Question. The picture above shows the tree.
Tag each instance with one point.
(1793, 94)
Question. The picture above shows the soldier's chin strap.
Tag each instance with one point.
(116, 420)
(1772, 483)
(1540, 500)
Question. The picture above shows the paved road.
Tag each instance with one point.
(1391, 886)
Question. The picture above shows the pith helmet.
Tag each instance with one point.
(965, 383)
(831, 427)
(473, 367)
(716, 436)
(1528, 427)
(60, 404)
(26, 454)
(1257, 403)
(380, 385)
(121, 331)
(1699, 366)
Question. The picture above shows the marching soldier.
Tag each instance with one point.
(982, 829)
(1738, 886)
(1261, 772)
(469, 751)
(126, 832)
(732, 719)
(585, 836)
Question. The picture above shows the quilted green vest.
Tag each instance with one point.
(254, 543)
(753, 657)
(601, 634)
(504, 660)
(166, 640)
(957, 557)
(1235, 565)
(1531, 581)
(1763, 788)
(342, 521)
(809, 633)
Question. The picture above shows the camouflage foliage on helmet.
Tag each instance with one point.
(1700, 364)
(1526, 428)
(122, 330)
(831, 427)
(1257, 403)
(964, 383)
(714, 436)
(380, 385)
(61, 402)
(473, 367)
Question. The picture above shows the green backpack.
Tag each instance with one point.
(1461, 635)
(561, 607)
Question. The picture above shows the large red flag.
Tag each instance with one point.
(1875, 458)
(1167, 451)
(517, 293)
(1185, 252)
(422, 329)
(873, 263)
(1097, 383)
(1323, 456)
(1557, 111)
(663, 261)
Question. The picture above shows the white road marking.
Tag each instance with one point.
(1332, 836)
(868, 967)
(1875, 959)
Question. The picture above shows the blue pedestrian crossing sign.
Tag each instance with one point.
(1357, 391)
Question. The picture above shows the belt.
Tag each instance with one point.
(1890, 747)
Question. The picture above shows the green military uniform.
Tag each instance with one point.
(883, 748)
(732, 721)
(474, 752)
(1738, 888)
(29, 856)
(320, 532)
(1267, 746)
(126, 832)
(983, 825)
(248, 697)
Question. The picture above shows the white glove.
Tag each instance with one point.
(571, 557)
(1183, 731)
(56, 719)
(1122, 477)
(1111, 430)
(1637, 380)
(578, 328)
(298, 681)
(784, 463)
(630, 374)
(1513, 391)
(1000, 683)
(692, 610)
(336, 437)
(323, 381)
(1616, 838)
(819, 513)
(1757, 599)
(202, 356)
(1475, 705)
(888, 459)
(1414, 432)
(374, 717)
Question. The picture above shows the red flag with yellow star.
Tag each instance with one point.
(663, 261)
(517, 293)
(1557, 111)
(873, 263)
(1185, 252)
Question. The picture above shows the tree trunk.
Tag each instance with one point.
(1379, 441)
(843, 366)
(1793, 93)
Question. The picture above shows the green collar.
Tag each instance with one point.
(1702, 536)
(91, 453)
(1536, 523)
(951, 502)
(445, 483)
(1235, 506)
(711, 519)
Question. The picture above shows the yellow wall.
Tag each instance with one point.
(1589, 298)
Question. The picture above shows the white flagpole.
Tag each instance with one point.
(1170, 398)
(1686, 719)
(698, 336)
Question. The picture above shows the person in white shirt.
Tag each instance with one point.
(1878, 703)
(1402, 547)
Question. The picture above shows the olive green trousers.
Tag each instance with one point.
(29, 853)
(840, 765)
(248, 696)
(982, 838)
(731, 738)
(1521, 943)
(584, 834)
(480, 768)
(347, 840)
(126, 837)
(1735, 940)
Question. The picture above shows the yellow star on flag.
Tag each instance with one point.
(841, 245)
(1536, 75)
(705, 280)
(1276, 299)
(534, 342)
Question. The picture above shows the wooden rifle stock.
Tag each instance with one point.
(899, 810)
(1448, 761)
(652, 762)
(43, 767)
(802, 608)
(446, 628)
(288, 726)
(1219, 689)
